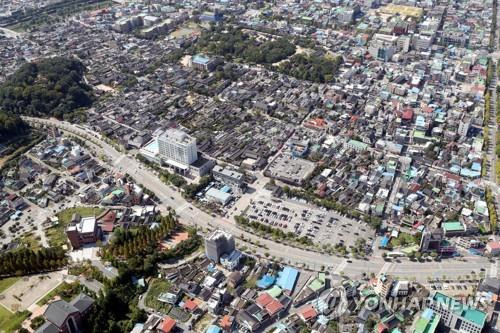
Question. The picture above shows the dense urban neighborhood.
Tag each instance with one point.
(285, 166)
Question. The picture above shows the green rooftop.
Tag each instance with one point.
(318, 282)
(470, 314)
(117, 192)
(428, 322)
(275, 291)
(453, 226)
(358, 144)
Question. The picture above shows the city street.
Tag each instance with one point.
(191, 215)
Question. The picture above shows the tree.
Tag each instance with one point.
(11, 125)
(37, 322)
(48, 87)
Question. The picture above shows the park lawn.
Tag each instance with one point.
(6, 283)
(404, 239)
(56, 235)
(65, 215)
(157, 287)
(11, 322)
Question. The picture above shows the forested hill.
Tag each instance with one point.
(49, 87)
(52, 87)
(10, 126)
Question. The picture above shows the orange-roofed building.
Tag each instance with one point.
(226, 323)
(263, 300)
(307, 313)
(110, 216)
(190, 305)
(318, 123)
(168, 325)
(407, 115)
(381, 327)
(274, 307)
(493, 248)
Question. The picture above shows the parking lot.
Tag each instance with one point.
(320, 225)
(454, 289)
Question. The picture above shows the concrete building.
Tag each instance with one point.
(218, 196)
(383, 46)
(228, 176)
(177, 148)
(463, 127)
(356, 145)
(217, 244)
(456, 316)
(383, 286)
(86, 231)
(203, 62)
(231, 260)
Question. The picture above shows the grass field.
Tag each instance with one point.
(31, 241)
(56, 235)
(157, 287)
(11, 322)
(6, 283)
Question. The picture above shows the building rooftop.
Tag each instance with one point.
(87, 224)
(287, 277)
(201, 59)
(218, 194)
(218, 234)
(428, 322)
(453, 226)
(176, 135)
(471, 314)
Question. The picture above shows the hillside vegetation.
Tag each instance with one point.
(50, 87)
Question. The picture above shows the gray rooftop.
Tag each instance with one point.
(57, 312)
(82, 302)
(47, 327)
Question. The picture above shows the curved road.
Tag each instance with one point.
(189, 214)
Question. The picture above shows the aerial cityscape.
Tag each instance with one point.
(226, 166)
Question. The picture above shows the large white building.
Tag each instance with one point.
(176, 147)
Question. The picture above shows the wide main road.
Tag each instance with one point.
(191, 215)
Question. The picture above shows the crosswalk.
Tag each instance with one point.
(341, 267)
(385, 268)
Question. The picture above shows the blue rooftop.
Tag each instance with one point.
(384, 241)
(266, 281)
(287, 278)
(200, 59)
(213, 329)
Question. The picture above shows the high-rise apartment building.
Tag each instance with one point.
(177, 146)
